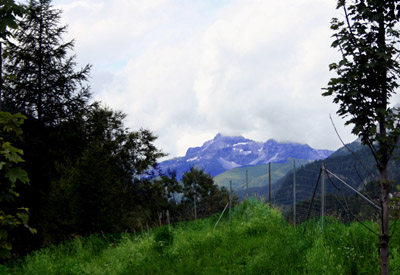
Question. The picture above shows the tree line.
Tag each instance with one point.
(75, 168)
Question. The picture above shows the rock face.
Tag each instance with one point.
(224, 153)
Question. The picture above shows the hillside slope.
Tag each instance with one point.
(258, 178)
(342, 163)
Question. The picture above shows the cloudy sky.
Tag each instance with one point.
(189, 69)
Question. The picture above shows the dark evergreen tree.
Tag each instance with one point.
(86, 170)
(40, 77)
(100, 191)
(40, 81)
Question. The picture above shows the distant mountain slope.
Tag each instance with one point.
(224, 153)
(344, 165)
(257, 176)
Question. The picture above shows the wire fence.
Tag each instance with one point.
(318, 192)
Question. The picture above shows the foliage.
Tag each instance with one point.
(257, 241)
(86, 169)
(40, 77)
(163, 237)
(368, 72)
(367, 77)
(8, 13)
(11, 174)
(96, 192)
(41, 82)
(199, 188)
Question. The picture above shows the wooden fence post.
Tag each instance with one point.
(294, 192)
(269, 184)
(230, 200)
(247, 184)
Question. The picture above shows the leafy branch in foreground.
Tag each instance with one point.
(367, 77)
(11, 173)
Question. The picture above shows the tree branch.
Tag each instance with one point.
(352, 37)
(351, 151)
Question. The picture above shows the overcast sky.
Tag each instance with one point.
(189, 69)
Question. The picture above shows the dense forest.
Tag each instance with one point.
(69, 167)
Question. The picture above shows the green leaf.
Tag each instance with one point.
(11, 153)
(24, 217)
(17, 173)
(3, 234)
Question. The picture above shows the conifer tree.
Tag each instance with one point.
(40, 76)
(41, 81)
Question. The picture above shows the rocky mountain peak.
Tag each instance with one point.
(226, 152)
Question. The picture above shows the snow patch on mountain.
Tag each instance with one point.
(228, 164)
(240, 143)
(192, 159)
(273, 159)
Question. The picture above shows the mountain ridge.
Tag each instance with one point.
(227, 152)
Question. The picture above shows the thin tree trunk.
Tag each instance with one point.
(384, 237)
(1, 75)
(384, 156)
(40, 69)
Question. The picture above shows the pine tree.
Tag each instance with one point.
(40, 76)
(42, 82)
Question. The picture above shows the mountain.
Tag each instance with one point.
(224, 153)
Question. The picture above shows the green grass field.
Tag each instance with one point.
(256, 241)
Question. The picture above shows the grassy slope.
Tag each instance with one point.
(257, 241)
(258, 175)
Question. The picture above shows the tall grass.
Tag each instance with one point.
(257, 240)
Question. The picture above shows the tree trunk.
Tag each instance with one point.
(1, 75)
(384, 237)
(40, 69)
(384, 155)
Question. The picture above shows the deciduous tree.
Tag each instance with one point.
(367, 78)
(98, 190)
(9, 11)
(199, 186)
(11, 174)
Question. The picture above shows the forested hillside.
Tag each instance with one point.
(87, 172)
(356, 169)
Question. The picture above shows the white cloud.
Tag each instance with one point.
(190, 69)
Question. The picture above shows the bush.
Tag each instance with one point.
(163, 238)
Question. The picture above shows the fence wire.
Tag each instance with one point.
(322, 193)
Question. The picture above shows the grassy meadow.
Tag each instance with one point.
(256, 240)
